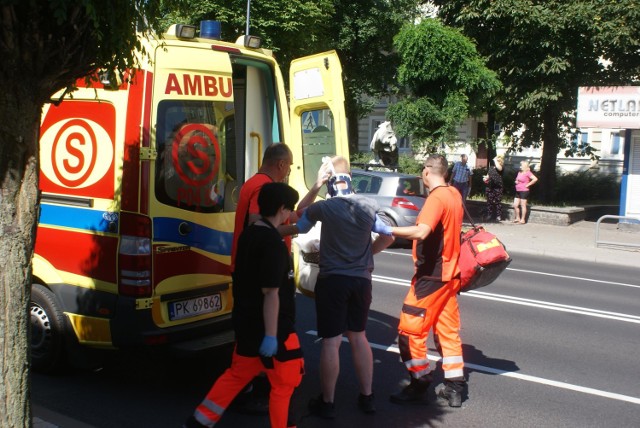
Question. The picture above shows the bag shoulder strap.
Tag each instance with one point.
(464, 206)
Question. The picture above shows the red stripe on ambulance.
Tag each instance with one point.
(86, 255)
(167, 265)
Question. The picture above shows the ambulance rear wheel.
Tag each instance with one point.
(47, 331)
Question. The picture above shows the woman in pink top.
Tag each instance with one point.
(524, 180)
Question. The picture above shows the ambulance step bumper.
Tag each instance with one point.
(204, 343)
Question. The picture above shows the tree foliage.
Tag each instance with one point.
(45, 46)
(291, 29)
(542, 52)
(361, 31)
(445, 80)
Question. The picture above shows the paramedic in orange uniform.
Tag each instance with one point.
(431, 301)
(263, 315)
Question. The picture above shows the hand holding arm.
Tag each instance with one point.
(379, 226)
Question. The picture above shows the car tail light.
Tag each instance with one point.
(134, 256)
(404, 203)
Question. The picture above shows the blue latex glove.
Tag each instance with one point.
(303, 224)
(381, 227)
(269, 346)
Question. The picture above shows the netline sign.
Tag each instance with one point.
(609, 107)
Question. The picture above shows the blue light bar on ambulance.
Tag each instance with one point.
(185, 31)
(210, 30)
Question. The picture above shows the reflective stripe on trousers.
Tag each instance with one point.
(438, 310)
(283, 377)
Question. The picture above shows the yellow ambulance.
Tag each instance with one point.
(139, 183)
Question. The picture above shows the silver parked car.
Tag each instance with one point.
(400, 196)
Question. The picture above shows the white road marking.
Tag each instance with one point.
(529, 302)
(527, 378)
(555, 306)
(579, 278)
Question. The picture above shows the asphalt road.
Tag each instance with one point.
(549, 344)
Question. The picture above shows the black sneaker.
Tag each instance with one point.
(319, 407)
(192, 423)
(414, 393)
(365, 402)
(452, 392)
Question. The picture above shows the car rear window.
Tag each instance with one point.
(410, 187)
(366, 183)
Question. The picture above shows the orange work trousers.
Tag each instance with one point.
(284, 377)
(436, 308)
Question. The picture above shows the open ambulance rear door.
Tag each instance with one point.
(318, 119)
(318, 129)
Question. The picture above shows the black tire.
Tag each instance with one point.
(47, 331)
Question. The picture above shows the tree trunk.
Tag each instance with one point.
(545, 188)
(18, 214)
(352, 132)
(351, 110)
(490, 137)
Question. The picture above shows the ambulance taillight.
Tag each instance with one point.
(134, 256)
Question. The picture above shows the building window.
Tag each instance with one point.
(615, 143)
(579, 143)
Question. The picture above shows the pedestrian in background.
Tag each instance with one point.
(263, 315)
(343, 288)
(431, 302)
(461, 176)
(494, 189)
(524, 180)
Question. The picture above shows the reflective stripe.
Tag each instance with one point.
(419, 374)
(202, 419)
(416, 363)
(218, 410)
(452, 360)
(448, 374)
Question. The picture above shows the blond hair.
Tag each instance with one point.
(340, 164)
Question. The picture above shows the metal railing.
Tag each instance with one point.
(614, 243)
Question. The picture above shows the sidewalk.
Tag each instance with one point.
(576, 241)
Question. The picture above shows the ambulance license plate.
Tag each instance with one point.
(181, 309)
